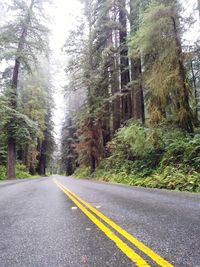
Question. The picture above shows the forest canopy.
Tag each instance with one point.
(26, 91)
(138, 122)
(131, 95)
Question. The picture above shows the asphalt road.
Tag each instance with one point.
(40, 226)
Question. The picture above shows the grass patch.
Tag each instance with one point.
(21, 172)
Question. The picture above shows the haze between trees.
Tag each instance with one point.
(132, 100)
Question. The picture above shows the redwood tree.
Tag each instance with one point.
(20, 39)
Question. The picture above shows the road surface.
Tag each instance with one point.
(46, 223)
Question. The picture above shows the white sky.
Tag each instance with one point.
(64, 14)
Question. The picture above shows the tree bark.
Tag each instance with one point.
(92, 164)
(137, 91)
(195, 93)
(187, 123)
(42, 160)
(136, 70)
(92, 159)
(115, 74)
(69, 170)
(124, 63)
(13, 97)
(116, 98)
(198, 6)
(11, 158)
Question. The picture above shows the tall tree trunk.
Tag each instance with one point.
(92, 164)
(115, 74)
(42, 159)
(136, 70)
(198, 6)
(70, 159)
(187, 122)
(69, 170)
(11, 158)
(195, 93)
(115, 93)
(90, 72)
(106, 84)
(13, 97)
(137, 91)
(124, 63)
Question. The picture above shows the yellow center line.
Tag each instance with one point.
(153, 255)
(129, 252)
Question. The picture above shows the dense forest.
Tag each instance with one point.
(138, 122)
(26, 129)
(132, 96)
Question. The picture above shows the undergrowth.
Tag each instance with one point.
(21, 172)
(151, 157)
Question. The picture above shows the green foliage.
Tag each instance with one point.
(31, 124)
(17, 125)
(3, 148)
(136, 149)
(99, 65)
(82, 172)
(183, 152)
(21, 172)
(158, 42)
(2, 172)
(24, 18)
(169, 159)
(172, 179)
(134, 137)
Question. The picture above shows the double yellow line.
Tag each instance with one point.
(89, 211)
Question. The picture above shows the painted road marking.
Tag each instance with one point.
(129, 252)
(153, 255)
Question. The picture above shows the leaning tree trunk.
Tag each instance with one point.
(136, 70)
(11, 158)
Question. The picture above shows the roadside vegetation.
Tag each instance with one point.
(159, 157)
(26, 127)
(21, 172)
(138, 122)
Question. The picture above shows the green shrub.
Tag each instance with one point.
(82, 172)
(135, 150)
(176, 181)
(183, 153)
(2, 172)
(159, 157)
(172, 179)
(21, 171)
